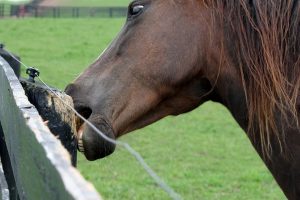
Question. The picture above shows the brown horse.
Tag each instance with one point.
(173, 55)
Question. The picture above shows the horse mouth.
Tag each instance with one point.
(89, 142)
(79, 127)
(85, 112)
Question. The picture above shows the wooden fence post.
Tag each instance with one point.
(12, 62)
(1, 10)
(41, 166)
(73, 12)
(35, 11)
(110, 12)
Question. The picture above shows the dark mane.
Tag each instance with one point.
(266, 37)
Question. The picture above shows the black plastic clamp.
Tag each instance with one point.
(32, 73)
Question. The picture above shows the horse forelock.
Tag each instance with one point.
(266, 37)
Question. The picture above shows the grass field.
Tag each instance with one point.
(202, 155)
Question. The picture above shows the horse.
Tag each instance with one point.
(173, 55)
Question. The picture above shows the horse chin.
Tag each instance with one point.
(93, 145)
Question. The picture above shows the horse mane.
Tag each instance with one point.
(265, 38)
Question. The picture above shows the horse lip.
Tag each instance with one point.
(92, 144)
(89, 142)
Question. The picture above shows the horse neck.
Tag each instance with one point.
(231, 94)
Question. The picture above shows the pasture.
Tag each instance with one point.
(202, 155)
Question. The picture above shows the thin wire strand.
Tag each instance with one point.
(133, 152)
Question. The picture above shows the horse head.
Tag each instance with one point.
(160, 64)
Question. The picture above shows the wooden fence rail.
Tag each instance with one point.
(60, 12)
(35, 163)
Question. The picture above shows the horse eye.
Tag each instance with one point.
(137, 9)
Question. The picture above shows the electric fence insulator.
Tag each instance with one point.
(32, 73)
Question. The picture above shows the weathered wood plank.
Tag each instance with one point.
(11, 61)
(41, 166)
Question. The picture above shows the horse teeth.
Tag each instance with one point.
(80, 143)
(80, 146)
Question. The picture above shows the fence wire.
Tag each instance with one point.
(159, 181)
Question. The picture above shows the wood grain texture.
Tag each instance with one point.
(41, 166)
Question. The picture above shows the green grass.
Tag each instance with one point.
(61, 49)
(94, 2)
(202, 155)
(14, 2)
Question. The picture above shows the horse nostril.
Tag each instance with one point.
(84, 111)
(79, 102)
(71, 88)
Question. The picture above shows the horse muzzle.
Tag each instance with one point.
(92, 144)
